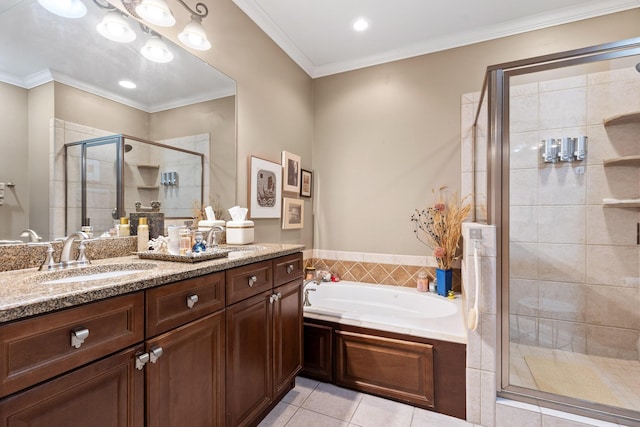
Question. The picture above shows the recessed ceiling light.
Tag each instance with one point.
(360, 24)
(127, 84)
(65, 8)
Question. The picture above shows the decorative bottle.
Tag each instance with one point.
(143, 234)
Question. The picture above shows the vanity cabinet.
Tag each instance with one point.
(215, 350)
(185, 379)
(264, 338)
(107, 392)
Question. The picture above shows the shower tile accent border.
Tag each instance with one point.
(375, 268)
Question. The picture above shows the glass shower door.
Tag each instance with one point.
(573, 247)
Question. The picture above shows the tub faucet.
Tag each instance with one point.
(32, 235)
(65, 257)
(306, 286)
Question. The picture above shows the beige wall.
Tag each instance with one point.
(13, 158)
(385, 136)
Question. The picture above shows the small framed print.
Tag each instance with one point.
(291, 175)
(265, 189)
(306, 180)
(292, 213)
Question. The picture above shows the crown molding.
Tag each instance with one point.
(513, 27)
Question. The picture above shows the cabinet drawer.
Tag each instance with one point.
(36, 349)
(287, 268)
(249, 280)
(176, 304)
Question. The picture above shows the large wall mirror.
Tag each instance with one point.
(60, 83)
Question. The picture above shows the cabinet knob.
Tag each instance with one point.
(272, 299)
(252, 281)
(154, 354)
(290, 269)
(78, 336)
(141, 360)
(278, 296)
(192, 300)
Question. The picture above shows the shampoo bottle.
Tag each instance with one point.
(143, 235)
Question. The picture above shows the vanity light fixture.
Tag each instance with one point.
(65, 8)
(156, 12)
(194, 35)
(156, 50)
(114, 27)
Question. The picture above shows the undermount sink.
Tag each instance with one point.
(93, 272)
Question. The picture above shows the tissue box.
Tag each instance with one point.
(239, 232)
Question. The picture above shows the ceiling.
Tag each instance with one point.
(37, 46)
(317, 34)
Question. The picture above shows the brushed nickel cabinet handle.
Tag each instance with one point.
(252, 281)
(192, 300)
(141, 360)
(154, 354)
(290, 269)
(78, 336)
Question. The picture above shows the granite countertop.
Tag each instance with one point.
(23, 293)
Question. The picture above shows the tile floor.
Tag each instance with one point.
(315, 404)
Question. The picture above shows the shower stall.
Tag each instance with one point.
(557, 170)
(105, 177)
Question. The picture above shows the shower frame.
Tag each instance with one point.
(496, 89)
(119, 140)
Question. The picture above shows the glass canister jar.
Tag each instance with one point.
(423, 282)
(309, 272)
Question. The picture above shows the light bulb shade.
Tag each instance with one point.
(65, 8)
(156, 12)
(194, 36)
(114, 27)
(156, 50)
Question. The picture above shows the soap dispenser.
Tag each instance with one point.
(143, 234)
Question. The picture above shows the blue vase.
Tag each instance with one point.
(444, 279)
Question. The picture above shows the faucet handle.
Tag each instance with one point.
(48, 263)
(82, 255)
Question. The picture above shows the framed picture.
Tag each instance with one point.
(306, 180)
(293, 213)
(265, 188)
(291, 175)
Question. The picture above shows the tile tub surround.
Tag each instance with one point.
(398, 270)
(21, 295)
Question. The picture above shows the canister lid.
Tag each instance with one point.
(124, 220)
(142, 220)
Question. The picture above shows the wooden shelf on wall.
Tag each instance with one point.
(623, 119)
(623, 161)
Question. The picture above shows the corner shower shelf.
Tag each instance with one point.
(623, 119)
(148, 187)
(618, 203)
(141, 166)
(623, 161)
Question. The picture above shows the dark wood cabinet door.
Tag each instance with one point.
(318, 352)
(107, 393)
(185, 386)
(249, 379)
(287, 335)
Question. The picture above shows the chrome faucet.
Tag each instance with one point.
(306, 287)
(32, 235)
(65, 256)
(211, 238)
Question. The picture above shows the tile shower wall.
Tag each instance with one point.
(567, 250)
